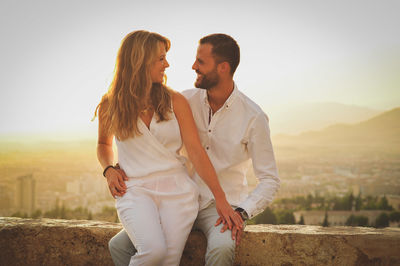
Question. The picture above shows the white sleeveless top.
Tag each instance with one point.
(156, 150)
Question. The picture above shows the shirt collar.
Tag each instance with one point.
(228, 101)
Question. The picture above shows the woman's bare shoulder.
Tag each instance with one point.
(178, 99)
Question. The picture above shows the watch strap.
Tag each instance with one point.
(243, 213)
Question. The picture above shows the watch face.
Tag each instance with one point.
(244, 215)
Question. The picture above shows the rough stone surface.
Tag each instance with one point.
(73, 242)
(316, 245)
(70, 242)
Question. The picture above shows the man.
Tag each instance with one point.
(233, 130)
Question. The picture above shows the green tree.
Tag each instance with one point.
(308, 202)
(349, 201)
(266, 217)
(338, 204)
(383, 204)
(355, 220)
(345, 203)
(36, 214)
(325, 223)
(358, 202)
(394, 216)
(301, 219)
(321, 201)
(351, 221)
(285, 217)
(370, 203)
(382, 220)
(299, 200)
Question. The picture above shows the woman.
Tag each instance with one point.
(158, 205)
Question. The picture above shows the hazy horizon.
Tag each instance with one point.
(299, 123)
(58, 57)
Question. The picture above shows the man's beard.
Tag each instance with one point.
(207, 81)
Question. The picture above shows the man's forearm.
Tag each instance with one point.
(261, 196)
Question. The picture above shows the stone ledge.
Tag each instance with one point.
(77, 242)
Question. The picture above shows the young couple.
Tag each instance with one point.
(157, 201)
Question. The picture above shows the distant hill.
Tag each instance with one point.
(294, 119)
(381, 130)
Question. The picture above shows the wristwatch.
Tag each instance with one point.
(242, 213)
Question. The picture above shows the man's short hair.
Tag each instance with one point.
(224, 49)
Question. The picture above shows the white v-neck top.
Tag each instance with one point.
(155, 150)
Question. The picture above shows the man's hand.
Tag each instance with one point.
(116, 178)
(236, 231)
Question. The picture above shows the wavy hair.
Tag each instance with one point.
(132, 85)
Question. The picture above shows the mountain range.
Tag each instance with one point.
(381, 130)
(296, 118)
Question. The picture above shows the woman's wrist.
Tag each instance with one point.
(220, 196)
(108, 168)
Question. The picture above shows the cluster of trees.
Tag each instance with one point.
(381, 221)
(79, 213)
(357, 220)
(345, 203)
(349, 202)
(283, 215)
(269, 216)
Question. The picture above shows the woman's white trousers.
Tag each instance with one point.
(158, 212)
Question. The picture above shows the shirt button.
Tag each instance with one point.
(207, 148)
(209, 130)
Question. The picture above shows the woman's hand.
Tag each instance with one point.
(228, 216)
(116, 178)
(236, 231)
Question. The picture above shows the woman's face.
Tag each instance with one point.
(157, 69)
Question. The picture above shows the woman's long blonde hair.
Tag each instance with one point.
(132, 83)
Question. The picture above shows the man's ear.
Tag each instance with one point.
(224, 68)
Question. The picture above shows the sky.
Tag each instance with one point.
(58, 57)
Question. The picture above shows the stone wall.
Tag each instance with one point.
(73, 242)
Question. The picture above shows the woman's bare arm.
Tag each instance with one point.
(200, 160)
(115, 177)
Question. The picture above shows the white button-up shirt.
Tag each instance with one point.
(232, 136)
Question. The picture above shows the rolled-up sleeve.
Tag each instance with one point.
(261, 152)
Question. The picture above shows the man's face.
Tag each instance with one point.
(205, 67)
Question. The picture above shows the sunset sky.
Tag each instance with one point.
(57, 57)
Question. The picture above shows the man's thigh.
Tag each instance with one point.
(220, 246)
(205, 222)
